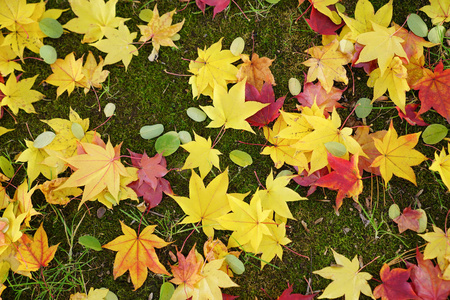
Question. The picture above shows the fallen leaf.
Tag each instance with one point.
(268, 113)
(94, 73)
(321, 23)
(136, 253)
(395, 284)
(323, 7)
(19, 95)
(256, 71)
(287, 295)
(409, 219)
(412, 117)
(32, 256)
(438, 246)
(438, 11)
(315, 93)
(441, 164)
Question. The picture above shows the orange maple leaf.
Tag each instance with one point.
(188, 270)
(35, 254)
(136, 254)
(256, 70)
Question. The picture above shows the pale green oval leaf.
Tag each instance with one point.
(6, 167)
(167, 143)
(90, 242)
(111, 296)
(363, 108)
(235, 264)
(422, 221)
(294, 86)
(273, 1)
(146, 15)
(196, 114)
(285, 173)
(77, 131)
(48, 54)
(151, 131)
(51, 28)
(394, 211)
(175, 37)
(185, 137)
(241, 158)
(44, 139)
(237, 46)
(109, 109)
(436, 34)
(336, 148)
(417, 25)
(434, 133)
(166, 291)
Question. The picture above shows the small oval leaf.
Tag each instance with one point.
(336, 148)
(151, 131)
(44, 139)
(166, 291)
(109, 109)
(6, 167)
(51, 28)
(48, 54)
(77, 130)
(241, 158)
(422, 221)
(167, 143)
(237, 46)
(285, 173)
(111, 296)
(235, 264)
(394, 211)
(196, 114)
(146, 15)
(175, 37)
(294, 86)
(436, 34)
(364, 107)
(417, 25)
(185, 137)
(434, 133)
(90, 242)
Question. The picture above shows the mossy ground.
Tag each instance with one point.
(146, 95)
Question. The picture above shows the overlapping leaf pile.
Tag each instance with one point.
(313, 140)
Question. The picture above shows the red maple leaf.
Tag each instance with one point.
(411, 116)
(322, 24)
(304, 179)
(268, 113)
(150, 184)
(345, 178)
(434, 89)
(219, 5)
(409, 219)
(315, 92)
(426, 279)
(287, 295)
(395, 284)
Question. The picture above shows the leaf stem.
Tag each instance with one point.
(296, 253)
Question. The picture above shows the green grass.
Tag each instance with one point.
(147, 95)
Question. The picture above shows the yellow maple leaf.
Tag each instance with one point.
(22, 197)
(32, 256)
(136, 253)
(380, 44)
(13, 233)
(248, 221)
(394, 80)
(271, 245)
(94, 294)
(67, 74)
(213, 67)
(282, 151)
(94, 72)
(441, 164)
(327, 65)
(118, 44)
(365, 15)
(19, 95)
(326, 130)
(230, 108)
(205, 204)
(347, 279)
(61, 196)
(397, 155)
(438, 11)
(256, 70)
(94, 18)
(7, 56)
(322, 6)
(16, 12)
(438, 246)
(100, 168)
(65, 139)
(276, 194)
(201, 155)
(159, 30)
